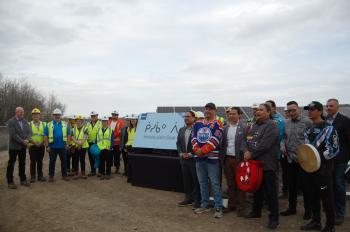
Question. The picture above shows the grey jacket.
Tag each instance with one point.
(263, 143)
(240, 141)
(180, 143)
(17, 135)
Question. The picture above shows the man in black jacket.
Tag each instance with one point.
(342, 124)
(188, 164)
(19, 138)
(263, 145)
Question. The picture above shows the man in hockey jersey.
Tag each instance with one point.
(206, 137)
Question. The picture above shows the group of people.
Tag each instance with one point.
(70, 140)
(207, 147)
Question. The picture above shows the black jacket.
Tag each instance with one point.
(180, 143)
(342, 124)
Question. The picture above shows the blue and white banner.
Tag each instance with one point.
(158, 130)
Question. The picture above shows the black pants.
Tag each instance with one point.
(36, 160)
(91, 160)
(106, 160)
(190, 180)
(128, 153)
(79, 155)
(21, 165)
(322, 189)
(284, 167)
(70, 160)
(297, 177)
(268, 187)
(125, 161)
(116, 157)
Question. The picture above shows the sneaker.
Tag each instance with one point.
(218, 213)
(25, 183)
(201, 210)
(184, 203)
(312, 226)
(12, 186)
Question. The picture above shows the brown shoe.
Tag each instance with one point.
(42, 179)
(12, 186)
(65, 178)
(32, 180)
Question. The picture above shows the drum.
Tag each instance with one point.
(309, 158)
(249, 175)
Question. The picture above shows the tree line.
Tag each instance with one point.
(18, 92)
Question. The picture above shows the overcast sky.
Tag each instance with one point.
(133, 56)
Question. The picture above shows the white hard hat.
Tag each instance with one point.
(134, 116)
(71, 117)
(57, 112)
(115, 112)
(255, 106)
(105, 118)
(199, 114)
(93, 113)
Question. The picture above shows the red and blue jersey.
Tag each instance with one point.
(207, 135)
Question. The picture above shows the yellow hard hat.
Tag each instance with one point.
(78, 117)
(35, 111)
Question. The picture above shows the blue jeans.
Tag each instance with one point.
(209, 168)
(339, 190)
(63, 157)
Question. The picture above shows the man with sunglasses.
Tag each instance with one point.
(324, 138)
(295, 127)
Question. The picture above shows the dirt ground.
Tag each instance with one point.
(112, 205)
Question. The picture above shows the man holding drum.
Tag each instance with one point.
(324, 138)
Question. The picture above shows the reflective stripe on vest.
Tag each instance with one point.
(37, 133)
(78, 135)
(92, 131)
(104, 139)
(64, 131)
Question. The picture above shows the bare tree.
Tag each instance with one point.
(19, 92)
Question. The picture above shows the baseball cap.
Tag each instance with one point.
(210, 105)
(314, 105)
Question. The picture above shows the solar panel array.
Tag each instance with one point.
(247, 111)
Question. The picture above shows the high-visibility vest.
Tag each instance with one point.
(131, 136)
(79, 135)
(37, 132)
(64, 131)
(92, 131)
(104, 139)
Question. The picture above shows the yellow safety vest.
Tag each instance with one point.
(38, 133)
(79, 135)
(92, 131)
(71, 143)
(131, 136)
(104, 139)
(64, 131)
